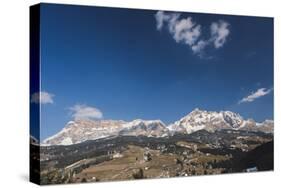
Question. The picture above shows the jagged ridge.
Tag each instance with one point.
(82, 130)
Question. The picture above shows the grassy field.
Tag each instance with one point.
(132, 164)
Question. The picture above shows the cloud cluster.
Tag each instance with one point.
(188, 32)
(85, 112)
(42, 97)
(255, 95)
(219, 33)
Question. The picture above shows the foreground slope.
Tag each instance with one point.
(132, 157)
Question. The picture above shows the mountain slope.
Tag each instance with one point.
(138, 127)
(212, 121)
(82, 130)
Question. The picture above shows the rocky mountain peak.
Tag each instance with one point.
(81, 130)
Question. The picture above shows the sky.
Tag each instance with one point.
(110, 63)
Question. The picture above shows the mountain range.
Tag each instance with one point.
(79, 131)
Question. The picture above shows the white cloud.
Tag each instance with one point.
(85, 112)
(183, 30)
(255, 95)
(160, 17)
(188, 32)
(197, 48)
(219, 33)
(42, 97)
(171, 21)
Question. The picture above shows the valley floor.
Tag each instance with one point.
(127, 158)
(131, 165)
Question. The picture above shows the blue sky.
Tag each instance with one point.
(109, 63)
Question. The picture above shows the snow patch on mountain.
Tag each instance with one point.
(82, 130)
(66, 141)
(145, 127)
(212, 121)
